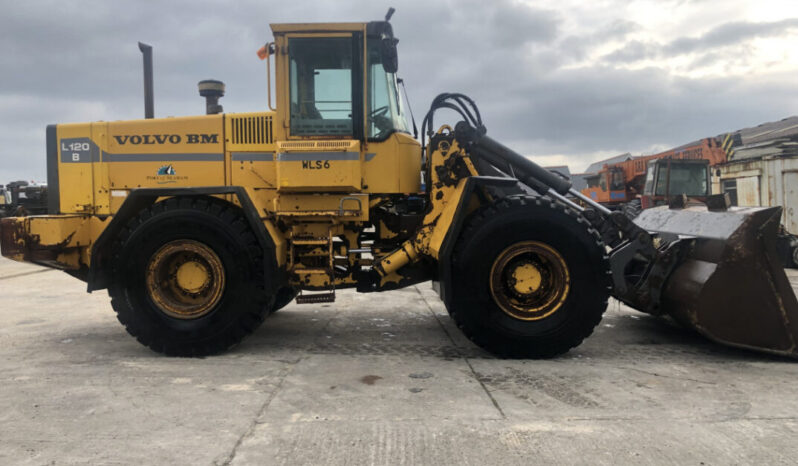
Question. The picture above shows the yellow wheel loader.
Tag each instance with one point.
(199, 227)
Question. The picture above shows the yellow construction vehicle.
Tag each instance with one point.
(199, 227)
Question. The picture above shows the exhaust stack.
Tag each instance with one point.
(149, 99)
(212, 90)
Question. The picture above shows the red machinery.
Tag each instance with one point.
(655, 178)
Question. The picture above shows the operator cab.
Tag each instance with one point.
(337, 88)
(325, 97)
(607, 186)
(673, 177)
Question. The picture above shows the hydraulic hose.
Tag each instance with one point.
(502, 157)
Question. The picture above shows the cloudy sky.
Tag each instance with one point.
(562, 81)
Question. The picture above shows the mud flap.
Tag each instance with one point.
(730, 286)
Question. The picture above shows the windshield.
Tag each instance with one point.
(689, 179)
(385, 108)
(616, 180)
(684, 178)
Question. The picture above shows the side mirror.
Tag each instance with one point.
(390, 58)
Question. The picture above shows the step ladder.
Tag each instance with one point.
(297, 245)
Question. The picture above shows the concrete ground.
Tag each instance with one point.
(374, 379)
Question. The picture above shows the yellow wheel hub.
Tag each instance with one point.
(529, 280)
(192, 276)
(185, 279)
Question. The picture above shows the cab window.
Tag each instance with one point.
(603, 182)
(662, 182)
(617, 180)
(321, 72)
(386, 114)
(648, 188)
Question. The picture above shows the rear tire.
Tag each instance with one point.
(188, 277)
(530, 278)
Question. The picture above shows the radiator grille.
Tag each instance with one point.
(252, 130)
(315, 145)
(333, 144)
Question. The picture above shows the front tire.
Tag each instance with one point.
(189, 277)
(530, 278)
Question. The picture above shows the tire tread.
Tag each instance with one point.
(484, 340)
(244, 326)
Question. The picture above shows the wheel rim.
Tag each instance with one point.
(185, 279)
(529, 280)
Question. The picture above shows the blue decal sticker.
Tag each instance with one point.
(166, 170)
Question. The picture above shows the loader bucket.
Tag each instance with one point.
(731, 286)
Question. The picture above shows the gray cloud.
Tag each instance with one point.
(633, 51)
(65, 63)
(729, 34)
(606, 109)
(616, 29)
(725, 35)
(515, 24)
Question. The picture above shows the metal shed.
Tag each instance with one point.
(762, 169)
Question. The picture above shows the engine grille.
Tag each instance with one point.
(252, 130)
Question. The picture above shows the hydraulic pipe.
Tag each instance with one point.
(496, 153)
(565, 200)
(590, 202)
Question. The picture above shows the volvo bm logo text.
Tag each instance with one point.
(137, 139)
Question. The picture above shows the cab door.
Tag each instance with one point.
(322, 151)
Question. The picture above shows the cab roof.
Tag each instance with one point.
(283, 28)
